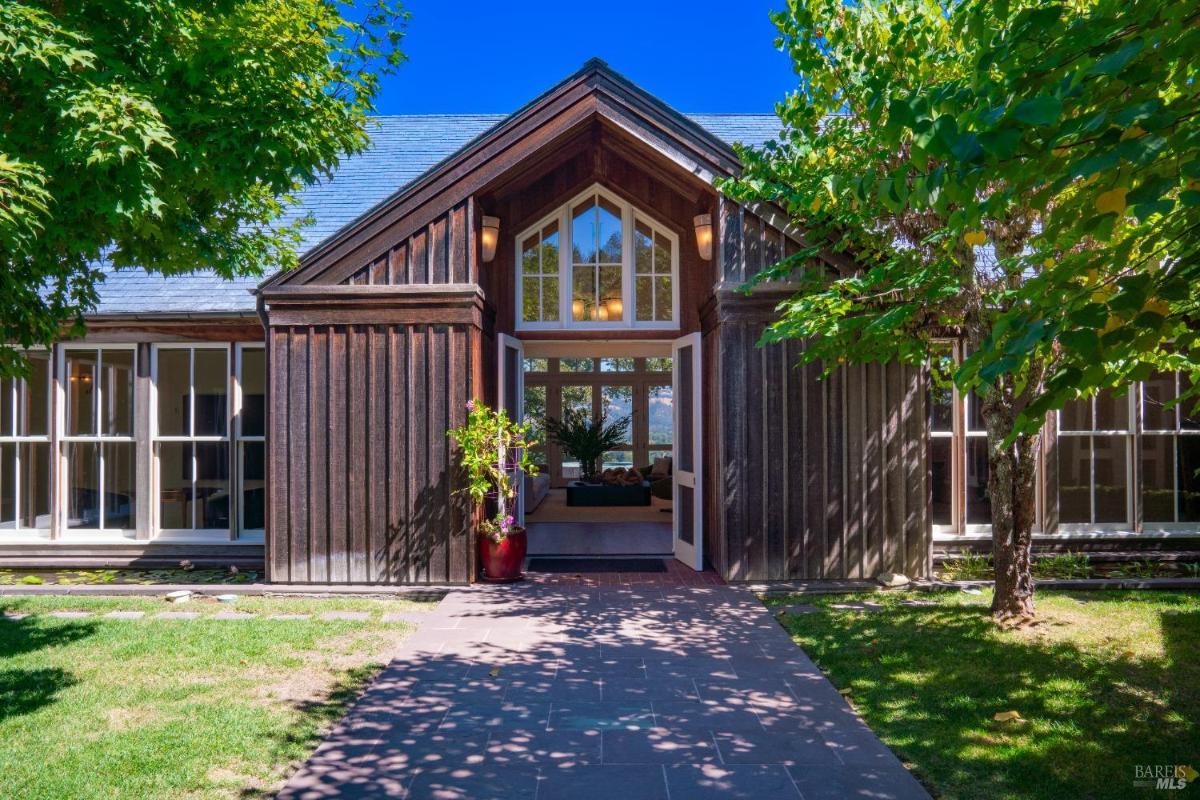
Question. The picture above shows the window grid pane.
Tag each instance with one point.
(25, 468)
(192, 449)
(101, 490)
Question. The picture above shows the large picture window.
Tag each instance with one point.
(1127, 462)
(638, 388)
(25, 447)
(597, 262)
(98, 440)
(191, 437)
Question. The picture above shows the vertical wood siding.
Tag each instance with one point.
(819, 478)
(435, 254)
(362, 486)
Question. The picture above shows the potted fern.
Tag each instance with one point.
(585, 439)
(493, 452)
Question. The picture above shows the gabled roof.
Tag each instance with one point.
(403, 150)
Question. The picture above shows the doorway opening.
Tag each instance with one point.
(627, 507)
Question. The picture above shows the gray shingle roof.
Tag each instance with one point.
(402, 148)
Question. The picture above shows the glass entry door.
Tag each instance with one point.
(511, 362)
(688, 471)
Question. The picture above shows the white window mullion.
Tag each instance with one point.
(628, 265)
(99, 432)
(191, 429)
(17, 485)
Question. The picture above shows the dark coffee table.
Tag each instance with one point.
(608, 494)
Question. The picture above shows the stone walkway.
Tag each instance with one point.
(545, 692)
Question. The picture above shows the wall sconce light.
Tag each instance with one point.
(703, 223)
(491, 234)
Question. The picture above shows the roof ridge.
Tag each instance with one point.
(437, 115)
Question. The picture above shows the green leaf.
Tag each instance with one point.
(1114, 63)
(1038, 111)
(1001, 143)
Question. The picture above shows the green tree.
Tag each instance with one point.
(933, 150)
(168, 135)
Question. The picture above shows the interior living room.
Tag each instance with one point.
(604, 485)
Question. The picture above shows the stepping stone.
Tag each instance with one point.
(857, 606)
(177, 614)
(290, 617)
(232, 615)
(415, 617)
(919, 603)
(15, 615)
(795, 610)
(125, 614)
(70, 614)
(356, 616)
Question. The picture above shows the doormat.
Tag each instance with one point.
(590, 565)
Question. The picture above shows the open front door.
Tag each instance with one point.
(688, 517)
(511, 364)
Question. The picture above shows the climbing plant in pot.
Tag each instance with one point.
(585, 439)
(493, 452)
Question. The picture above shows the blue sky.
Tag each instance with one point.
(495, 56)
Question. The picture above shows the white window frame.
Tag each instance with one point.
(1174, 436)
(66, 439)
(190, 533)
(17, 439)
(241, 531)
(1128, 434)
(629, 217)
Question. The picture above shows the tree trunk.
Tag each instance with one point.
(1011, 490)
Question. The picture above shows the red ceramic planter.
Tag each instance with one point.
(501, 561)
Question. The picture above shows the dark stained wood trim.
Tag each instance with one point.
(151, 328)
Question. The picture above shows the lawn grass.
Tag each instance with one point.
(157, 708)
(1104, 681)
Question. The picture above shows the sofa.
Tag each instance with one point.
(536, 489)
(660, 481)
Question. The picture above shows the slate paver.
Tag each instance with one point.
(290, 617)
(233, 615)
(15, 616)
(177, 614)
(731, 782)
(69, 614)
(624, 782)
(592, 692)
(125, 614)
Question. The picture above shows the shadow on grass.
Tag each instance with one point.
(316, 718)
(24, 690)
(929, 680)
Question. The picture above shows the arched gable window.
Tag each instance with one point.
(597, 262)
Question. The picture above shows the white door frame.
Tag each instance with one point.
(503, 344)
(690, 553)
